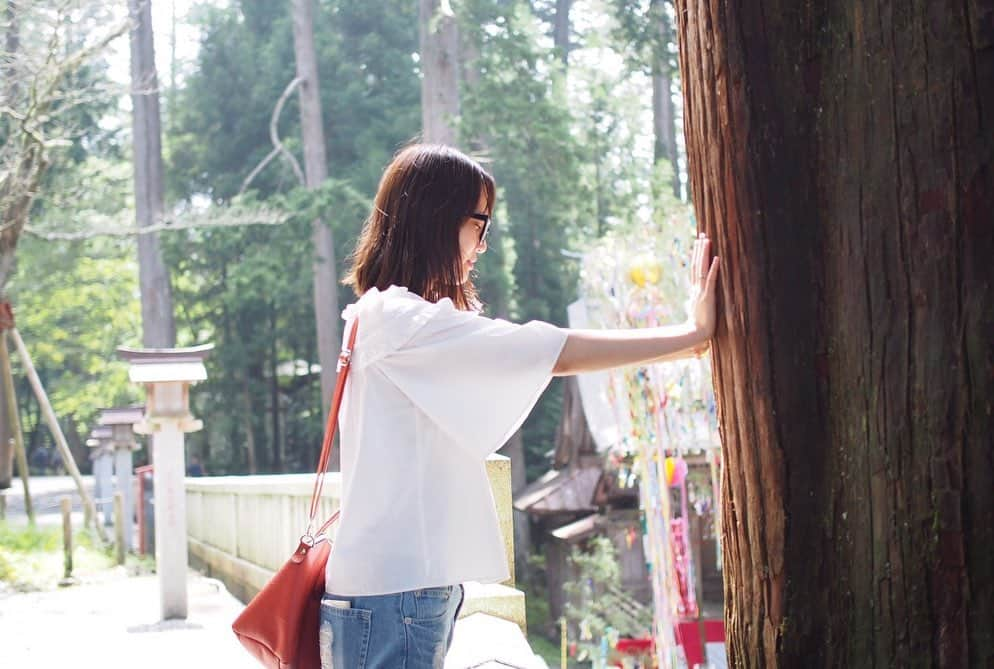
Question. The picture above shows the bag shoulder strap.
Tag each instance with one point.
(344, 364)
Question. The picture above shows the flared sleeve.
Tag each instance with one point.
(474, 377)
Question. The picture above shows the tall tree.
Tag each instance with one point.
(316, 171)
(158, 327)
(494, 287)
(560, 30)
(842, 157)
(12, 38)
(233, 283)
(535, 165)
(663, 109)
(644, 36)
(438, 33)
(45, 86)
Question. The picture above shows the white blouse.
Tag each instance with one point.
(431, 393)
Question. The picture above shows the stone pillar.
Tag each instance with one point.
(121, 422)
(102, 459)
(167, 375)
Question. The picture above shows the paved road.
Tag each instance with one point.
(113, 623)
(46, 493)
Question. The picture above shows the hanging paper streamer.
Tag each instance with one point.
(664, 412)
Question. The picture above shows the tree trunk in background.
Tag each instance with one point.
(12, 37)
(438, 34)
(7, 426)
(316, 170)
(158, 328)
(663, 109)
(274, 395)
(11, 205)
(560, 31)
(6, 445)
(492, 283)
(842, 157)
(250, 447)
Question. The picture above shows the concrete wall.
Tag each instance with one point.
(243, 528)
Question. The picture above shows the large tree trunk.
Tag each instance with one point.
(158, 328)
(842, 156)
(316, 171)
(663, 109)
(438, 34)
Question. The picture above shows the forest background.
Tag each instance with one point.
(574, 106)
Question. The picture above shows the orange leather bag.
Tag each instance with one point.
(280, 625)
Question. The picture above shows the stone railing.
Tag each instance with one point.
(243, 528)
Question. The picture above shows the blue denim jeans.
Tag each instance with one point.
(405, 630)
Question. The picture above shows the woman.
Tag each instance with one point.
(434, 389)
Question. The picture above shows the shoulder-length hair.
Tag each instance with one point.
(411, 237)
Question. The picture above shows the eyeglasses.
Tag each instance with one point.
(486, 224)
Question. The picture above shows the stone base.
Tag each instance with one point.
(482, 640)
(244, 579)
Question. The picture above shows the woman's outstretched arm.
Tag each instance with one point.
(595, 350)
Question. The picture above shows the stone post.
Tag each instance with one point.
(102, 458)
(167, 375)
(121, 422)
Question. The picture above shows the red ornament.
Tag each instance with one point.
(634, 646)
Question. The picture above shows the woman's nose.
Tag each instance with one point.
(482, 246)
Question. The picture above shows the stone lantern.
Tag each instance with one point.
(121, 421)
(102, 457)
(167, 375)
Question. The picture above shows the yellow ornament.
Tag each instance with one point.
(637, 275)
(675, 470)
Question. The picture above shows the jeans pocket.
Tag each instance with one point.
(432, 603)
(344, 637)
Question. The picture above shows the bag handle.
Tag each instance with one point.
(344, 363)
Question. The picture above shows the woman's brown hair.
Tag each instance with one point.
(411, 237)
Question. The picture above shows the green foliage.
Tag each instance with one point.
(643, 33)
(31, 558)
(570, 162)
(545, 649)
(527, 127)
(73, 312)
(76, 302)
(596, 605)
(370, 95)
(518, 111)
(249, 290)
(74, 307)
(29, 539)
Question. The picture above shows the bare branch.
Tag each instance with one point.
(274, 136)
(228, 217)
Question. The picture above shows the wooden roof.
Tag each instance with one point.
(565, 490)
(580, 529)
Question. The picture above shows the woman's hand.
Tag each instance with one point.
(703, 280)
(595, 350)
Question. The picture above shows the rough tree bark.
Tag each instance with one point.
(316, 172)
(842, 157)
(663, 109)
(158, 327)
(438, 34)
